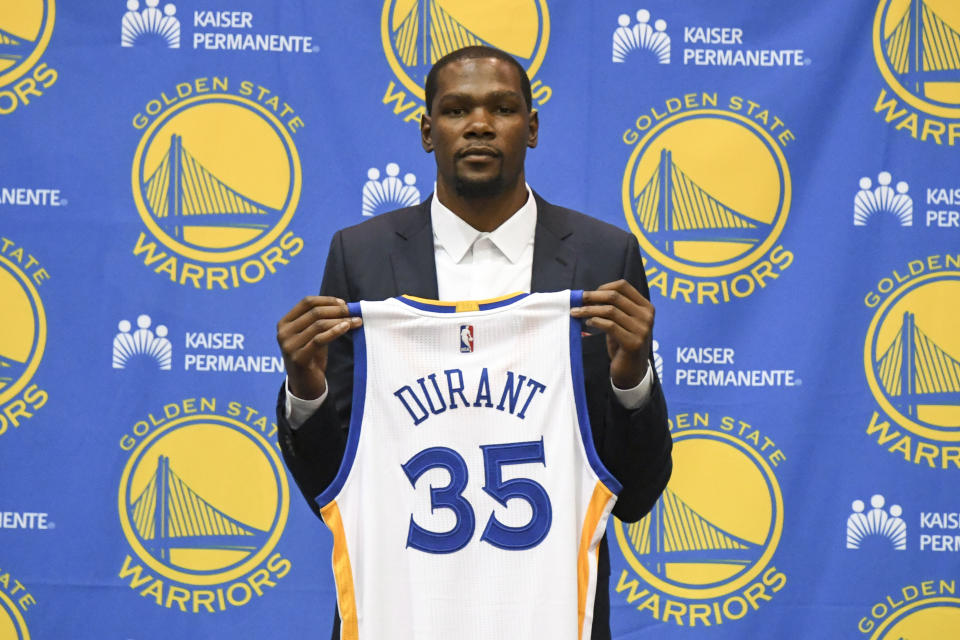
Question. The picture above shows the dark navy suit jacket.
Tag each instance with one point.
(393, 254)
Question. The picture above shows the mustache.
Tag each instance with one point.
(479, 148)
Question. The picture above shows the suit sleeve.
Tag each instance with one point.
(313, 451)
(634, 445)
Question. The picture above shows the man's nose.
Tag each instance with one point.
(480, 125)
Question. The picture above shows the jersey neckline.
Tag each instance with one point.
(440, 306)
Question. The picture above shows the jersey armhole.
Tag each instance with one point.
(356, 411)
(580, 396)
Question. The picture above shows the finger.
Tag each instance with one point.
(626, 339)
(626, 289)
(330, 308)
(632, 323)
(317, 333)
(313, 347)
(310, 302)
(613, 297)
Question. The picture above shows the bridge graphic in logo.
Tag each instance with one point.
(674, 532)
(14, 48)
(922, 48)
(915, 371)
(168, 514)
(182, 192)
(417, 33)
(672, 208)
(24, 330)
(10, 370)
(428, 33)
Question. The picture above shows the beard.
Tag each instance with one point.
(483, 188)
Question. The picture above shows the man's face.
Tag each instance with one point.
(480, 127)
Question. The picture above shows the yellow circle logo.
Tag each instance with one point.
(216, 178)
(717, 525)
(24, 332)
(203, 500)
(12, 624)
(417, 33)
(25, 30)
(912, 355)
(707, 192)
(926, 610)
(929, 619)
(916, 44)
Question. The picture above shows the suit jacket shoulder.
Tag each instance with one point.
(384, 256)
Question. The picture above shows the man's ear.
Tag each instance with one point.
(426, 133)
(534, 128)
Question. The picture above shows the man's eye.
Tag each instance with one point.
(454, 111)
(505, 109)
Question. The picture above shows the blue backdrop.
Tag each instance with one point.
(171, 174)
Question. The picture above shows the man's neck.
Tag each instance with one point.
(484, 214)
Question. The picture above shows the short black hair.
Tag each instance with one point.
(469, 53)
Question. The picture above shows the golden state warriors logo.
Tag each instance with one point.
(25, 30)
(703, 555)
(707, 192)
(916, 44)
(203, 502)
(15, 601)
(911, 358)
(929, 610)
(417, 33)
(23, 337)
(216, 181)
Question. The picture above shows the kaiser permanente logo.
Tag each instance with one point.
(704, 555)
(203, 502)
(25, 30)
(718, 366)
(216, 181)
(649, 40)
(881, 203)
(24, 334)
(925, 610)
(382, 194)
(16, 602)
(911, 359)
(882, 527)
(151, 347)
(916, 44)
(145, 24)
(417, 33)
(707, 192)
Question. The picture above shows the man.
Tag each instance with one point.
(483, 234)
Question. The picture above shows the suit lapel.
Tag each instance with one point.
(554, 262)
(414, 266)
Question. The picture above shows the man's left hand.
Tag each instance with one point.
(618, 309)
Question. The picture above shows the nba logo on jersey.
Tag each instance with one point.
(466, 338)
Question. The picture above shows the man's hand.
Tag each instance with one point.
(618, 309)
(303, 335)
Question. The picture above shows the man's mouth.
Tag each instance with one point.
(479, 152)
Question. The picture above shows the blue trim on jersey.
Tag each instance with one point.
(356, 413)
(580, 395)
(495, 304)
(451, 307)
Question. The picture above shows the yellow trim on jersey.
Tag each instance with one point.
(342, 573)
(595, 511)
(463, 305)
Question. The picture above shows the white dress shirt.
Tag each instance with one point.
(476, 265)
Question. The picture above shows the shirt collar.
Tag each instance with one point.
(511, 237)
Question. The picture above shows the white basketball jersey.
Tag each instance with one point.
(470, 501)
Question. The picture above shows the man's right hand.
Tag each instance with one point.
(304, 334)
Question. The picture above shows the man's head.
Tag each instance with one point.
(467, 53)
(479, 122)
